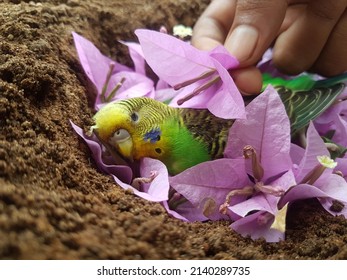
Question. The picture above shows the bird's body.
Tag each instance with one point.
(181, 138)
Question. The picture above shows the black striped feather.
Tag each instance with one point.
(207, 129)
(304, 106)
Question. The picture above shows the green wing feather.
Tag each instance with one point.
(304, 98)
(304, 106)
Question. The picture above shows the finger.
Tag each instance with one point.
(212, 27)
(299, 46)
(293, 12)
(248, 80)
(333, 59)
(255, 26)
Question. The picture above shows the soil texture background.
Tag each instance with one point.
(54, 203)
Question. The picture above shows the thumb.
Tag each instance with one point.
(255, 26)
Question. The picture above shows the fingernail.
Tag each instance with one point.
(242, 42)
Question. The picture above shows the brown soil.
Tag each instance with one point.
(54, 203)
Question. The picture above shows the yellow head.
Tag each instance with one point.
(134, 127)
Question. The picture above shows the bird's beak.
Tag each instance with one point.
(126, 149)
(117, 156)
(124, 143)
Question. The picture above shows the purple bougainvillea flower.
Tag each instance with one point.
(104, 72)
(267, 131)
(316, 179)
(330, 192)
(258, 225)
(195, 73)
(315, 147)
(268, 221)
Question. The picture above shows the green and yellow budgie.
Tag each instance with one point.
(143, 127)
(181, 138)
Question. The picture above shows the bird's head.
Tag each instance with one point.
(133, 127)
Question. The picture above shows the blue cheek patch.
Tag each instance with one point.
(152, 135)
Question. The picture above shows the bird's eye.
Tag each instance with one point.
(121, 135)
(135, 117)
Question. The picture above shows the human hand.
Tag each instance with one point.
(307, 35)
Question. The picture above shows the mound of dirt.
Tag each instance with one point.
(54, 203)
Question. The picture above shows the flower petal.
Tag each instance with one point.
(198, 102)
(256, 203)
(173, 213)
(222, 55)
(296, 153)
(250, 226)
(124, 173)
(227, 102)
(95, 64)
(187, 212)
(266, 129)
(342, 166)
(315, 147)
(335, 188)
(137, 56)
(264, 202)
(158, 189)
(173, 60)
(206, 185)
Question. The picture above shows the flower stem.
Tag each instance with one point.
(115, 89)
(313, 175)
(189, 82)
(107, 81)
(248, 190)
(324, 163)
(250, 153)
(268, 189)
(198, 90)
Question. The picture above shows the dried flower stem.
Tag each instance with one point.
(313, 175)
(250, 153)
(189, 82)
(107, 81)
(248, 190)
(268, 189)
(198, 90)
(116, 88)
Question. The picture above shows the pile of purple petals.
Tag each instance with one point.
(261, 173)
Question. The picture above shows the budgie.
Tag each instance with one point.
(143, 127)
(181, 138)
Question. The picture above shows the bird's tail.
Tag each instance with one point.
(303, 82)
(332, 81)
